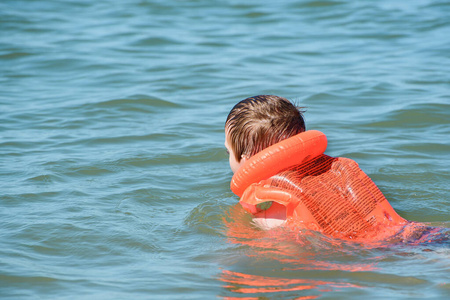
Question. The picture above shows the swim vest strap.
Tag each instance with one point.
(270, 161)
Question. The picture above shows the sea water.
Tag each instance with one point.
(114, 177)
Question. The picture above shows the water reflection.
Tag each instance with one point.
(253, 284)
(289, 264)
(297, 257)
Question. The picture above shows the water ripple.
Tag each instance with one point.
(114, 178)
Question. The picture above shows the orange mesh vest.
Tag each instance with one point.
(294, 181)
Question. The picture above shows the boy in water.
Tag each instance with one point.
(322, 193)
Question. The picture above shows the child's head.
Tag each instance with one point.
(258, 122)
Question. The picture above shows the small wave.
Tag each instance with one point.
(13, 279)
(15, 55)
(155, 42)
(415, 116)
(320, 3)
(134, 103)
(206, 218)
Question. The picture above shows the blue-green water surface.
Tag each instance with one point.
(114, 181)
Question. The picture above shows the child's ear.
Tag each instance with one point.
(244, 158)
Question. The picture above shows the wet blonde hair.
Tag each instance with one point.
(258, 122)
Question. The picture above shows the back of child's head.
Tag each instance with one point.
(258, 122)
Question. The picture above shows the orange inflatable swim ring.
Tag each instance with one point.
(295, 182)
(292, 151)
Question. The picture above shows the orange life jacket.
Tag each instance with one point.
(294, 181)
